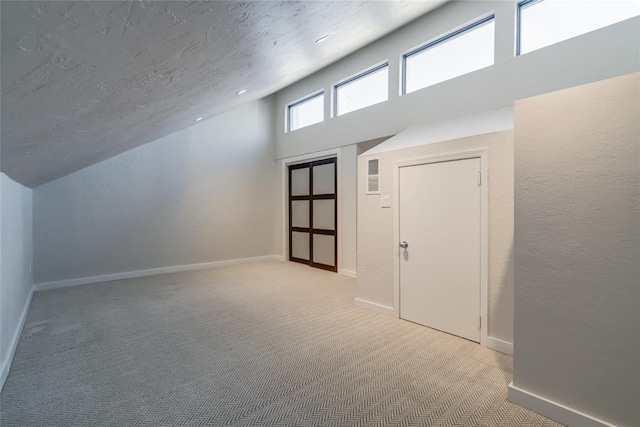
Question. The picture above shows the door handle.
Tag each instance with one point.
(404, 244)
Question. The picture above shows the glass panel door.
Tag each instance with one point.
(299, 213)
(313, 214)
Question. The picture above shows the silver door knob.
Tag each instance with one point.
(404, 244)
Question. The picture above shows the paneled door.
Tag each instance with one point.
(313, 214)
(440, 246)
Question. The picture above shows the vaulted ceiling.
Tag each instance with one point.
(82, 81)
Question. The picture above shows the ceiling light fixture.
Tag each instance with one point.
(240, 92)
(198, 119)
(323, 38)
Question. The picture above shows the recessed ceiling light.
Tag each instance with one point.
(198, 119)
(240, 92)
(323, 38)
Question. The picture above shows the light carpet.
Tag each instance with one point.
(273, 343)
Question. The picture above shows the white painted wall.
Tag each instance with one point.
(15, 266)
(608, 52)
(376, 245)
(201, 195)
(347, 231)
(577, 252)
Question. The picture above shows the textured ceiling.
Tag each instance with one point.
(84, 81)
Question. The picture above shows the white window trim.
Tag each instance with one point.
(364, 73)
(287, 109)
(443, 38)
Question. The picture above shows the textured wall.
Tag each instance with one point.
(200, 195)
(577, 61)
(15, 261)
(376, 247)
(577, 248)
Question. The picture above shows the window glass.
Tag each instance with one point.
(368, 88)
(306, 112)
(452, 55)
(543, 23)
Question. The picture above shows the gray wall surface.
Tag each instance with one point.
(604, 53)
(376, 248)
(200, 195)
(577, 248)
(15, 262)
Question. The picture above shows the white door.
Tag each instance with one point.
(440, 266)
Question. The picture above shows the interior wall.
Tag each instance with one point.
(348, 237)
(376, 248)
(15, 265)
(577, 249)
(203, 194)
(604, 53)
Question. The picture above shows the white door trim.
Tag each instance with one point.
(327, 154)
(483, 155)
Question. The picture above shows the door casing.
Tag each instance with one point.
(284, 183)
(483, 155)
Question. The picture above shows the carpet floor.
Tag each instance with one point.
(271, 343)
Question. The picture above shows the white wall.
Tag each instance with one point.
(347, 198)
(577, 252)
(608, 52)
(201, 195)
(15, 266)
(377, 249)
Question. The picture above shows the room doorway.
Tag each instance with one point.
(440, 245)
(313, 213)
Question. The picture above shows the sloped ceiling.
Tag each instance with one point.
(82, 81)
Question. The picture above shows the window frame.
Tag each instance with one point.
(524, 4)
(519, 8)
(476, 23)
(362, 74)
(299, 101)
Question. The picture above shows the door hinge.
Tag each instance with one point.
(479, 178)
(479, 322)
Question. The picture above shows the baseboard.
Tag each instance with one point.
(550, 409)
(348, 273)
(499, 345)
(374, 306)
(279, 258)
(150, 272)
(6, 366)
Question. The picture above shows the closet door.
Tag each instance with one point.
(300, 213)
(313, 214)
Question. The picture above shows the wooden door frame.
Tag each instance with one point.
(305, 158)
(483, 155)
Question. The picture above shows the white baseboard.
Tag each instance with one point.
(6, 365)
(149, 272)
(499, 345)
(374, 306)
(348, 273)
(279, 258)
(550, 409)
